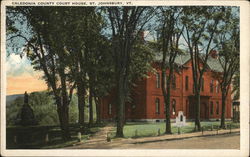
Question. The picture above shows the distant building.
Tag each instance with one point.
(147, 99)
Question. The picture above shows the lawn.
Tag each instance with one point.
(139, 129)
(143, 130)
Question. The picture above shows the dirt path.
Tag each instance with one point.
(97, 140)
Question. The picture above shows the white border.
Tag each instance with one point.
(244, 94)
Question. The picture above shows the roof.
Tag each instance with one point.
(214, 64)
(182, 59)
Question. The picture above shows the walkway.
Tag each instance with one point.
(99, 140)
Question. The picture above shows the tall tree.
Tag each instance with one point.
(170, 34)
(84, 43)
(75, 42)
(47, 53)
(100, 73)
(126, 23)
(84, 58)
(201, 25)
(229, 50)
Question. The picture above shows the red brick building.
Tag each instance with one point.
(147, 99)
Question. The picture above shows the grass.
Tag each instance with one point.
(151, 129)
(143, 130)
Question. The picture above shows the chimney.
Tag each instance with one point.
(213, 54)
(142, 35)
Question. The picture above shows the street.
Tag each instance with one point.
(227, 141)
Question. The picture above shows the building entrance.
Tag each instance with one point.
(204, 109)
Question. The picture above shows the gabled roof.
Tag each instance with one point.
(182, 59)
(214, 64)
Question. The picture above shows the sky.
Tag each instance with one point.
(21, 77)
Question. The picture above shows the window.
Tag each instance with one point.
(173, 82)
(186, 83)
(157, 105)
(211, 108)
(202, 84)
(110, 109)
(212, 86)
(157, 80)
(217, 87)
(217, 107)
(173, 106)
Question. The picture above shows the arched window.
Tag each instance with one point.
(217, 107)
(173, 82)
(157, 106)
(186, 83)
(202, 84)
(110, 109)
(165, 108)
(217, 87)
(158, 76)
(187, 106)
(173, 106)
(212, 86)
(166, 80)
(211, 108)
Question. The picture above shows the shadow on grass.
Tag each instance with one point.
(36, 139)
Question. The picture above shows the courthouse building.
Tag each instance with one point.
(147, 102)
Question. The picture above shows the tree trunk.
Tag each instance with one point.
(168, 120)
(65, 117)
(120, 107)
(90, 106)
(98, 116)
(166, 94)
(81, 104)
(63, 112)
(222, 124)
(197, 113)
(64, 107)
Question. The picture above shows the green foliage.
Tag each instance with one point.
(12, 111)
(228, 43)
(142, 60)
(73, 110)
(44, 109)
